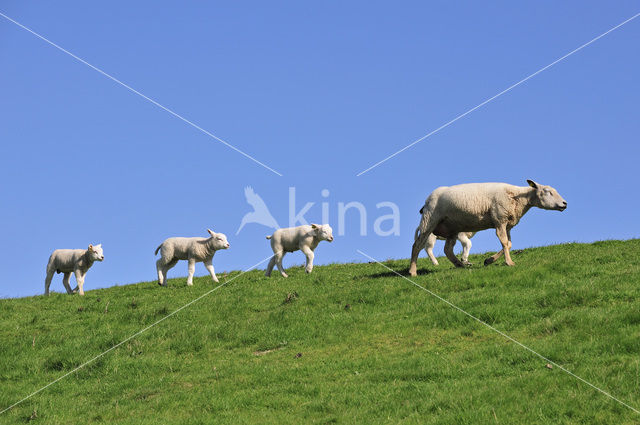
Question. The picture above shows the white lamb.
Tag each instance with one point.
(191, 249)
(304, 238)
(478, 206)
(76, 261)
(463, 237)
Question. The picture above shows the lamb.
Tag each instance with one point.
(67, 261)
(478, 206)
(305, 238)
(463, 237)
(191, 249)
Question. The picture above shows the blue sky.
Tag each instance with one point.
(318, 92)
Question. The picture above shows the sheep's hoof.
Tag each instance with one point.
(267, 275)
(488, 261)
(307, 271)
(467, 264)
(285, 275)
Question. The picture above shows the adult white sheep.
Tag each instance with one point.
(478, 206)
(304, 238)
(463, 237)
(76, 261)
(191, 249)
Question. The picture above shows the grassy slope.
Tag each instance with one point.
(396, 355)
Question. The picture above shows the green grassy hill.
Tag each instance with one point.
(350, 343)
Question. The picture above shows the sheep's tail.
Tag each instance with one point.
(158, 249)
(422, 227)
(269, 237)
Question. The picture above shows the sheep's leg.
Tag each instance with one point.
(309, 254)
(501, 233)
(431, 241)
(165, 269)
(272, 263)
(420, 243)
(47, 280)
(507, 251)
(493, 258)
(448, 250)
(192, 270)
(466, 247)
(415, 251)
(80, 280)
(279, 256)
(209, 265)
(159, 269)
(65, 282)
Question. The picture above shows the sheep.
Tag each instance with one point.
(478, 206)
(463, 237)
(191, 249)
(67, 261)
(305, 238)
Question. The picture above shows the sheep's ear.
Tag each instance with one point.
(90, 247)
(211, 232)
(532, 184)
(314, 226)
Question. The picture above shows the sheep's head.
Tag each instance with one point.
(324, 232)
(219, 240)
(95, 252)
(547, 197)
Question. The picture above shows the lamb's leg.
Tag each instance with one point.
(466, 247)
(65, 282)
(192, 270)
(309, 254)
(272, 263)
(431, 241)
(47, 280)
(279, 256)
(80, 280)
(209, 265)
(448, 250)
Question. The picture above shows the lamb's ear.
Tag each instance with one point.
(314, 226)
(211, 232)
(90, 247)
(532, 184)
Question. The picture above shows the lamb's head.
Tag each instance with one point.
(95, 252)
(324, 232)
(547, 197)
(219, 240)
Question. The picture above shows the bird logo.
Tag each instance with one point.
(260, 213)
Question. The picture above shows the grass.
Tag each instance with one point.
(350, 343)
